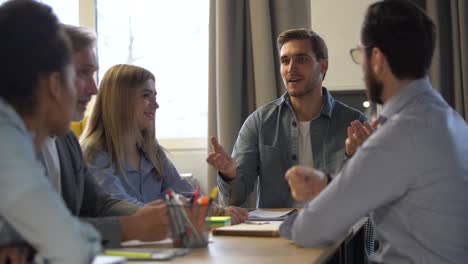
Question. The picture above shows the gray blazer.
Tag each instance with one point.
(84, 197)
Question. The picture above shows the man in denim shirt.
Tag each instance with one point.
(304, 126)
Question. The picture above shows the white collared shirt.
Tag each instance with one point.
(51, 162)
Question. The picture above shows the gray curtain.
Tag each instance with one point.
(243, 60)
(449, 71)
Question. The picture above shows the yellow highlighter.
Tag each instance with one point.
(134, 253)
(128, 254)
(214, 193)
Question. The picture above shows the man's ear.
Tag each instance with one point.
(52, 86)
(323, 67)
(379, 61)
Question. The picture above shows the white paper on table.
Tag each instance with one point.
(136, 243)
(100, 259)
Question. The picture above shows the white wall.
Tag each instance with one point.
(191, 161)
(189, 156)
(86, 13)
(339, 23)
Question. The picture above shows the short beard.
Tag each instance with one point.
(309, 89)
(301, 93)
(374, 87)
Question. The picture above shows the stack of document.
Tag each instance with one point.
(270, 215)
(262, 222)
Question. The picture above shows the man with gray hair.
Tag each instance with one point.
(117, 220)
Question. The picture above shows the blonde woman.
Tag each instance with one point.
(120, 145)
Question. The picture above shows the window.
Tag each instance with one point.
(169, 38)
(66, 11)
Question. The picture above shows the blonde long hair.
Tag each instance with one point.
(113, 120)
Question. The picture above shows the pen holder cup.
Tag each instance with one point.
(188, 226)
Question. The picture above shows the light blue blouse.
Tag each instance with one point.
(139, 187)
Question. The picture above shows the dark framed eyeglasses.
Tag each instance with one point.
(356, 55)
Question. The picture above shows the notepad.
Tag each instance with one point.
(270, 215)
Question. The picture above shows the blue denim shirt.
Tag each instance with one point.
(268, 145)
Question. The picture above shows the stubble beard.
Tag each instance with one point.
(374, 87)
(307, 90)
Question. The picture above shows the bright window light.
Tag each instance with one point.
(66, 10)
(169, 38)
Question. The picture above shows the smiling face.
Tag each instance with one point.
(69, 96)
(146, 105)
(300, 70)
(85, 63)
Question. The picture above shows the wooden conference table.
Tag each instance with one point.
(237, 249)
(241, 249)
